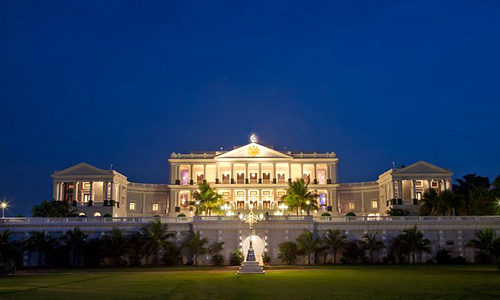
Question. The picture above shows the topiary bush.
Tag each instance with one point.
(218, 259)
(326, 215)
(236, 258)
(288, 252)
(181, 216)
(107, 216)
(350, 214)
(266, 258)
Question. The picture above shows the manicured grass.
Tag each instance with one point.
(424, 282)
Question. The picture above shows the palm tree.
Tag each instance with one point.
(156, 237)
(208, 199)
(398, 248)
(115, 245)
(486, 244)
(335, 241)
(297, 196)
(430, 203)
(75, 239)
(53, 209)
(137, 249)
(371, 243)
(215, 250)
(39, 242)
(195, 245)
(307, 244)
(416, 242)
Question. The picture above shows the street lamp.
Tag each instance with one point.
(197, 207)
(308, 202)
(4, 206)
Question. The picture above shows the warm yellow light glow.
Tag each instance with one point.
(4, 204)
(308, 202)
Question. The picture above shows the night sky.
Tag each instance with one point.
(129, 82)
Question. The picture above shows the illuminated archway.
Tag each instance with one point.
(258, 247)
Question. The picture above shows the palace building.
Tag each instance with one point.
(252, 174)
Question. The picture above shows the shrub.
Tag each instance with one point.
(7, 267)
(236, 258)
(443, 257)
(288, 252)
(218, 259)
(181, 216)
(350, 214)
(107, 216)
(326, 215)
(266, 258)
(172, 255)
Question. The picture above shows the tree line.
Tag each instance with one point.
(153, 244)
(404, 248)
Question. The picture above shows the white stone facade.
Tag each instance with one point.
(252, 174)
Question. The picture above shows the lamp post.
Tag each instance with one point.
(4, 206)
(197, 207)
(251, 219)
(308, 202)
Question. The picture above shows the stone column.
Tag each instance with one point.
(246, 172)
(111, 191)
(260, 172)
(400, 190)
(445, 185)
(290, 171)
(413, 192)
(91, 196)
(275, 176)
(105, 190)
(301, 170)
(394, 190)
(191, 175)
(232, 172)
(329, 172)
(429, 182)
(205, 172)
(315, 172)
(75, 191)
(216, 171)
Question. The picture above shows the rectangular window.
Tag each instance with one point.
(156, 206)
(131, 205)
(434, 184)
(419, 195)
(350, 206)
(418, 183)
(374, 204)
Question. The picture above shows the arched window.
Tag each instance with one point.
(97, 214)
(82, 215)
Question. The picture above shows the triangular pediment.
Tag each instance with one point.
(253, 150)
(422, 167)
(82, 169)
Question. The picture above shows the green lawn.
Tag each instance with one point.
(424, 282)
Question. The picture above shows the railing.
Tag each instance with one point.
(305, 218)
(97, 220)
(408, 218)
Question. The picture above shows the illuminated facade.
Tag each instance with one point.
(253, 174)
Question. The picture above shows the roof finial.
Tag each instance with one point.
(253, 138)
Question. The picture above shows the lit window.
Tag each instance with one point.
(97, 214)
(156, 207)
(434, 184)
(374, 204)
(418, 183)
(132, 206)
(350, 205)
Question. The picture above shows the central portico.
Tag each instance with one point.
(252, 174)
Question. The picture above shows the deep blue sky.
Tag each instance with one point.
(129, 82)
